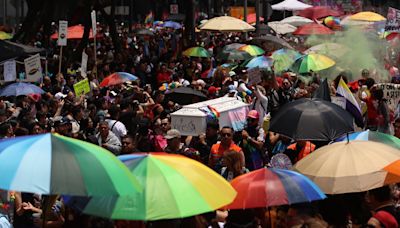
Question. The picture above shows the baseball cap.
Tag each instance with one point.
(253, 114)
(173, 133)
(212, 90)
(60, 95)
(231, 88)
(386, 219)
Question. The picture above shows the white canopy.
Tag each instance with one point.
(290, 5)
(226, 24)
(296, 21)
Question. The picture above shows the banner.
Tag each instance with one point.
(62, 33)
(10, 71)
(82, 87)
(33, 68)
(391, 92)
(254, 75)
(84, 64)
(393, 20)
(94, 22)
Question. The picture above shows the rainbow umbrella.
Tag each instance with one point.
(312, 63)
(373, 136)
(261, 62)
(5, 36)
(252, 50)
(174, 187)
(284, 58)
(234, 55)
(117, 78)
(53, 164)
(273, 187)
(196, 52)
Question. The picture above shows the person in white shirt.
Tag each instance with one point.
(116, 126)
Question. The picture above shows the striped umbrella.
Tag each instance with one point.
(117, 78)
(273, 187)
(197, 52)
(252, 50)
(52, 164)
(261, 62)
(284, 58)
(373, 136)
(174, 187)
(312, 62)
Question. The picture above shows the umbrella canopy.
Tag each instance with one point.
(252, 50)
(374, 136)
(296, 21)
(5, 36)
(145, 32)
(174, 187)
(172, 24)
(226, 24)
(329, 49)
(10, 50)
(271, 40)
(20, 88)
(117, 78)
(74, 32)
(317, 12)
(312, 119)
(54, 164)
(186, 95)
(196, 52)
(312, 63)
(290, 5)
(273, 187)
(234, 55)
(282, 28)
(261, 62)
(284, 59)
(251, 18)
(313, 29)
(233, 46)
(346, 167)
(367, 16)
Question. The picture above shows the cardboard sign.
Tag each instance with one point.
(254, 75)
(82, 87)
(10, 71)
(391, 92)
(393, 20)
(62, 33)
(84, 64)
(94, 22)
(33, 68)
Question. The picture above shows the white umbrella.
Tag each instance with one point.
(296, 21)
(226, 24)
(281, 28)
(290, 5)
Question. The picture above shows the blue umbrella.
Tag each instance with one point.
(262, 62)
(20, 88)
(172, 24)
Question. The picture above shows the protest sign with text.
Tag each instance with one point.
(33, 68)
(393, 20)
(82, 87)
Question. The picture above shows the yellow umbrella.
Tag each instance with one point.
(226, 24)
(5, 36)
(354, 166)
(367, 16)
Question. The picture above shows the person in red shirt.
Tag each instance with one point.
(164, 75)
(218, 149)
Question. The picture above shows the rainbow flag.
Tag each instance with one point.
(149, 18)
(352, 105)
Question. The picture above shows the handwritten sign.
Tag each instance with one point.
(393, 20)
(10, 71)
(391, 92)
(33, 68)
(189, 125)
(62, 33)
(254, 75)
(82, 87)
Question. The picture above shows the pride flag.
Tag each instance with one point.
(351, 104)
(149, 18)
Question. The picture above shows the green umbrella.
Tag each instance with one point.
(283, 59)
(196, 52)
(312, 63)
(174, 187)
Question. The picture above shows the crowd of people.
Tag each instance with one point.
(136, 117)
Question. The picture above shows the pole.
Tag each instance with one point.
(95, 56)
(4, 12)
(257, 17)
(60, 59)
(245, 16)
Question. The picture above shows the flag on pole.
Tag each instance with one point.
(149, 18)
(351, 104)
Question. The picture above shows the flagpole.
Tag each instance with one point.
(60, 59)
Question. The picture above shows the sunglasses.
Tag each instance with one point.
(226, 134)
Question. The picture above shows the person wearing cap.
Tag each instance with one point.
(380, 199)
(382, 219)
(107, 139)
(174, 145)
(253, 138)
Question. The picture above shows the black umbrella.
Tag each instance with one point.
(186, 95)
(312, 119)
(270, 39)
(10, 50)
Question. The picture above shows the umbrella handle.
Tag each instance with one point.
(347, 136)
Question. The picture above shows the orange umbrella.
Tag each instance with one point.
(251, 18)
(74, 32)
(313, 29)
(317, 12)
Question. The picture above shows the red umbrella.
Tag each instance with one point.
(317, 12)
(74, 32)
(392, 36)
(251, 18)
(313, 29)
